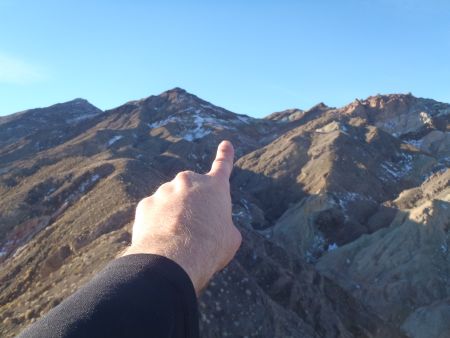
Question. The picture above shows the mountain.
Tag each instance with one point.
(344, 211)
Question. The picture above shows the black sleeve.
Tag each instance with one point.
(134, 296)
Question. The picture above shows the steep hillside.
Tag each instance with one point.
(404, 267)
(344, 211)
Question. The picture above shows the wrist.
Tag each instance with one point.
(184, 258)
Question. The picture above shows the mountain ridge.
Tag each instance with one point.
(309, 189)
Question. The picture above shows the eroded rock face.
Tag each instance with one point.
(404, 267)
(401, 115)
(322, 186)
(344, 211)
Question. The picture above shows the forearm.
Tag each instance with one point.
(134, 296)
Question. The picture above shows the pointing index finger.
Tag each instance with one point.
(223, 163)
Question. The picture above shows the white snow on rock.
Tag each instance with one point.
(400, 169)
(245, 119)
(346, 198)
(94, 178)
(332, 246)
(425, 118)
(3, 252)
(317, 247)
(162, 123)
(81, 118)
(242, 211)
(390, 169)
(332, 126)
(197, 123)
(114, 140)
(199, 131)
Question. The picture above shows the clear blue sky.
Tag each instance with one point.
(252, 57)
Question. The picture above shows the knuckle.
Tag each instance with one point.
(185, 176)
(143, 203)
(237, 236)
(186, 173)
(163, 187)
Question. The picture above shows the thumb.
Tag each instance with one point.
(223, 163)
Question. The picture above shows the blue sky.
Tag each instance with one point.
(252, 57)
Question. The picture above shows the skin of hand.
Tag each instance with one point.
(188, 220)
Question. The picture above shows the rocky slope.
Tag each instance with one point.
(344, 211)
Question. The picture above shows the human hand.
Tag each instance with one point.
(188, 220)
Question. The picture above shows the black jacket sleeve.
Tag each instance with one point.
(134, 296)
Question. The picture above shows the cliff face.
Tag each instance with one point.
(344, 211)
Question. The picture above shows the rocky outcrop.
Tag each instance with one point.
(404, 267)
(401, 115)
(338, 176)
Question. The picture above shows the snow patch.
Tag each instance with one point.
(347, 197)
(425, 118)
(81, 118)
(390, 169)
(245, 119)
(204, 122)
(199, 131)
(243, 211)
(400, 169)
(161, 123)
(344, 199)
(316, 248)
(332, 246)
(88, 183)
(202, 125)
(188, 109)
(114, 140)
(332, 126)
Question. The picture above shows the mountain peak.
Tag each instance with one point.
(78, 100)
(77, 104)
(178, 95)
(319, 106)
(176, 90)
